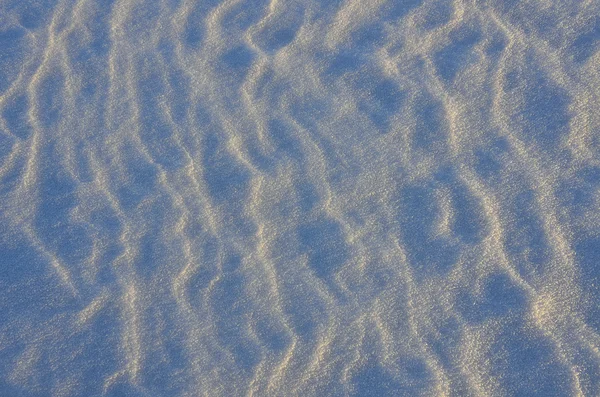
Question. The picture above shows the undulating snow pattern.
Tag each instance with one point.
(299, 198)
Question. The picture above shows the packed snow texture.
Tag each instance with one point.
(299, 198)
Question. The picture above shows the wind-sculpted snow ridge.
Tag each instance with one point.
(299, 198)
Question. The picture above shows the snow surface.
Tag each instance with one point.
(299, 198)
